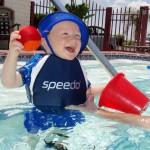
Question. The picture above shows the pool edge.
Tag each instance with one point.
(86, 55)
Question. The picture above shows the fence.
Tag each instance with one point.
(123, 29)
(1, 2)
(130, 28)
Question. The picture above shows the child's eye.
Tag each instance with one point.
(65, 33)
(78, 36)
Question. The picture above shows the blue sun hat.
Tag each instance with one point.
(52, 19)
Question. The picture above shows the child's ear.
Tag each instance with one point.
(44, 44)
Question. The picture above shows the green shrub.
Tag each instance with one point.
(80, 10)
(129, 42)
(119, 39)
(37, 19)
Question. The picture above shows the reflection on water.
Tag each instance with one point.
(87, 131)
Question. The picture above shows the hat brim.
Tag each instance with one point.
(52, 19)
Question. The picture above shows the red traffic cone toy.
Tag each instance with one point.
(120, 94)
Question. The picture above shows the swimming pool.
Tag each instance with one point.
(94, 133)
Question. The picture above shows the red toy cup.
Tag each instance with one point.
(120, 94)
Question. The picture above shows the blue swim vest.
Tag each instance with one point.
(56, 82)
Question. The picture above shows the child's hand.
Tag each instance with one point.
(89, 105)
(14, 45)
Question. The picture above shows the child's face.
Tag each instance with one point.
(65, 39)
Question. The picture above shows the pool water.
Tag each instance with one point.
(95, 133)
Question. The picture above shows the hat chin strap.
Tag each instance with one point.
(49, 45)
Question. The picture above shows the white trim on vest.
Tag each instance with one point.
(35, 72)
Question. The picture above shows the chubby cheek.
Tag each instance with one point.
(78, 47)
(55, 42)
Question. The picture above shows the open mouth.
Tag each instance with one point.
(70, 49)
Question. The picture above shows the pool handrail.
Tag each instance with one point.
(91, 45)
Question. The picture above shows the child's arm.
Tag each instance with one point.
(95, 90)
(90, 107)
(137, 120)
(10, 78)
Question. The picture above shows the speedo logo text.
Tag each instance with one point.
(61, 85)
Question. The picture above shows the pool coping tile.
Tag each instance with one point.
(86, 55)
